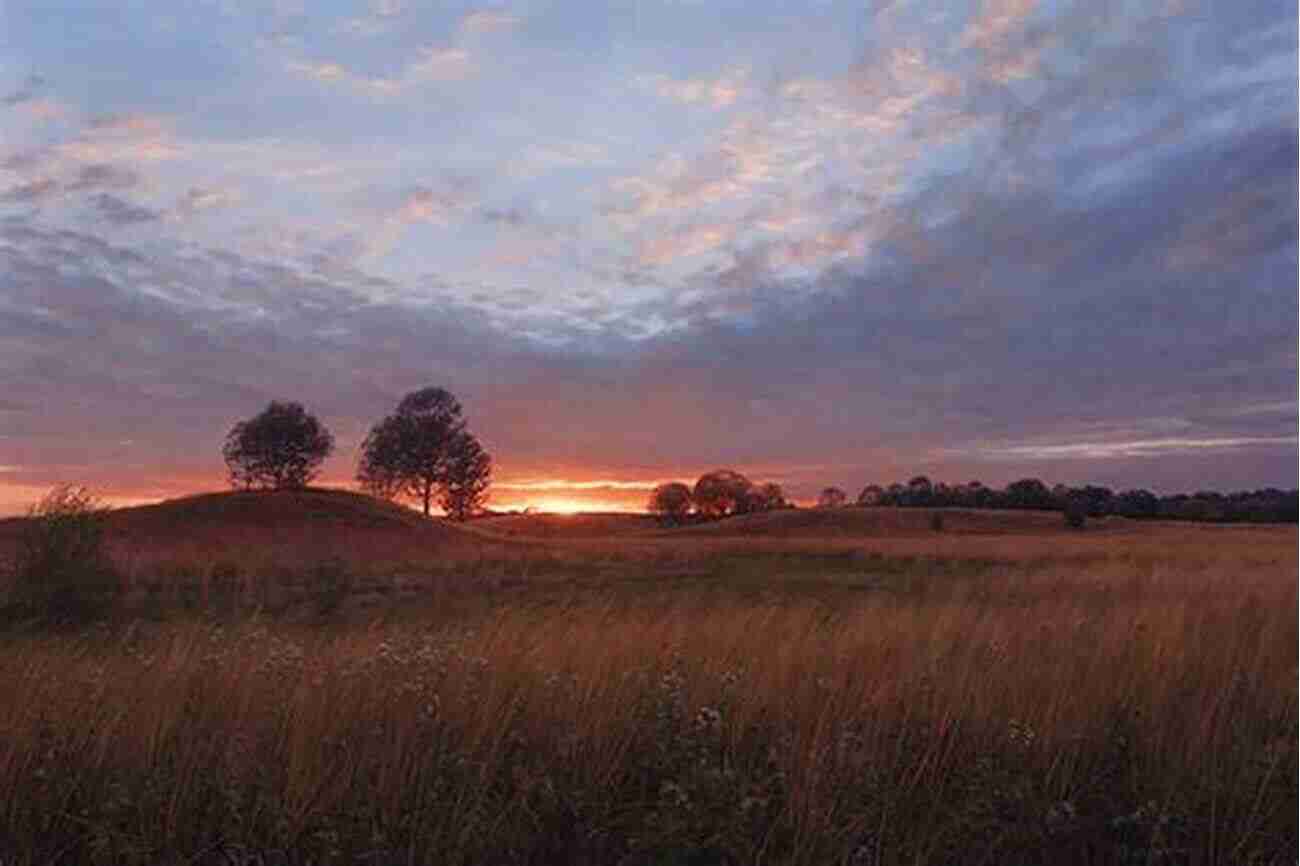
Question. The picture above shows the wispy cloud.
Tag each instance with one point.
(198, 199)
(32, 192)
(433, 63)
(120, 212)
(685, 243)
(720, 92)
(488, 20)
(1124, 449)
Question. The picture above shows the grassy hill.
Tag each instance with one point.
(256, 528)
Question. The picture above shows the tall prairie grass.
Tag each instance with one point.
(1082, 711)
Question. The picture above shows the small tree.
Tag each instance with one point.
(671, 501)
(63, 570)
(424, 451)
(283, 447)
(831, 497)
(722, 492)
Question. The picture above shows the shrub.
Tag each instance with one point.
(63, 571)
(330, 584)
(1076, 513)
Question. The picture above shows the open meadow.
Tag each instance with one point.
(318, 677)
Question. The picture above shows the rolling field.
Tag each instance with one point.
(319, 678)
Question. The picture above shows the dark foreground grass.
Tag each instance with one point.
(713, 710)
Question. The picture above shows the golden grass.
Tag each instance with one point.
(1107, 697)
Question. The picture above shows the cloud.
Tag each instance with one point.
(439, 63)
(998, 33)
(438, 204)
(540, 158)
(432, 63)
(720, 92)
(512, 216)
(381, 19)
(31, 193)
(434, 204)
(488, 20)
(120, 212)
(324, 71)
(128, 138)
(198, 199)
(683, 244)
(1124, 449)
(104, 176)
(26, 92)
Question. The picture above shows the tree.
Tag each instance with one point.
(280, 448)
(469, 471)
(919, 491)
(871, 495)
(768, 497)
(722, 492)
(1029, 493)
(424, 451)
(671, 501)
(831, 497)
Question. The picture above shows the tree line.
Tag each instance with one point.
(1267, 505)
(423, 451)
(724, 492)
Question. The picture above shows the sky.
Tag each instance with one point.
(821, 243)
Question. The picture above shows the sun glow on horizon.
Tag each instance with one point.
(565, 505)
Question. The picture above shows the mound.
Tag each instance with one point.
(317, 507)
(299, 526)
(877, 521)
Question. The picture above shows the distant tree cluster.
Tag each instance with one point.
(423, 451)
(720, 493)
(1268, 505)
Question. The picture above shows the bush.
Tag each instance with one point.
(63, 571)
(1076, 513)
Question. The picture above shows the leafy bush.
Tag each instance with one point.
(63, 571)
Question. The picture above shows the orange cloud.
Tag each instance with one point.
(691, 242)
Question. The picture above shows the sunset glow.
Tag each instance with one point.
(567, 505)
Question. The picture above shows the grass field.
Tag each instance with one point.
(316, 678)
